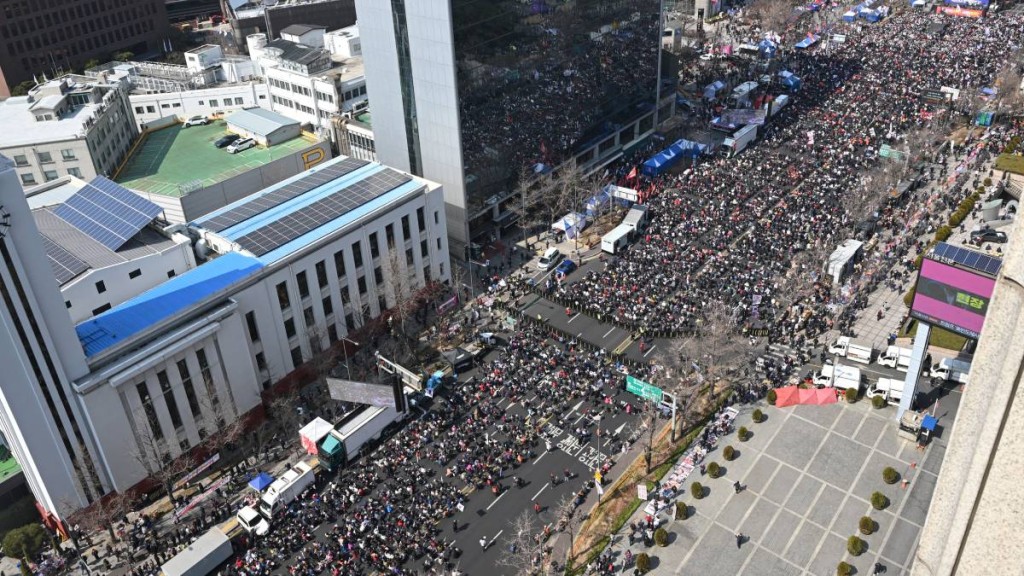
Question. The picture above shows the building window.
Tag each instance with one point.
(134, 274)
(75, 172)
(321, 274)
(307, 315)
(150, 109)
(190, 390)
(437, 218)
(101, 287)
(171, 273)
(296, 356)
(204, 370)
(339, 263)
(424, 253)
(405, 227)
(45, 158)
(50, 175)
(213, 102)
(374, 248)
(239, 102)
(68, 154)
(101, 309)
(147, 407)
(282, 296)
(420, 221)
(378, 276)
(328, 306)
(20, 160)
(289, 328)
(300, 279)
(261, 361)
(67, 304)
(254, 331)
(168, 394)
(28, 179)
(357, 254)
(362, 285)
(408, 257)
(332, 333)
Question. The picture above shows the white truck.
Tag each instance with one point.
(252, 521)
(739, 141)
(780, 102)
(889, 388)
(286, 489)
(838, 376)
(852, 350)
(202, 557)
(952, 370)
(896, 357)
(345, 442)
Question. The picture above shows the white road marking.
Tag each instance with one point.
(619, 429)
(610, 330)
(495, 539)
(500, 496)
(537, 459)
(541, 490)
(578, 314)
(651, 350)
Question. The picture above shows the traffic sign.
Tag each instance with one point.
(643, 389)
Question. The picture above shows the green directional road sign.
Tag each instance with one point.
(643, 389)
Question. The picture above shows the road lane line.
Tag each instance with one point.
(578, 314)
(651, 350)
(500, 496)
(610, 330)
(537, 459)
(541, 490)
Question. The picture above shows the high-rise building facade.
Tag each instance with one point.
(50, 37)
(477, 93)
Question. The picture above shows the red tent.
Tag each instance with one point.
(787, 396)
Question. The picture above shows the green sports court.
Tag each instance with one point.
(173, 161)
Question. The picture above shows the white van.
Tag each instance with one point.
(889, 388)
(839, 376)
(952, 370)
(252, 521)
(550, 259)
(896, 357)
(852, 350)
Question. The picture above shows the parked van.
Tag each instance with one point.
(839, 376)
(852, 350)
(952, 370)
(889, 388)
(551, 257)
(896, 357)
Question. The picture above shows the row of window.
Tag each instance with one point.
(101, 287)
(67, 154)
(290, 104)
(83, 31)
(47, 13)
(167, 393)
(355, 92)
(29, 179)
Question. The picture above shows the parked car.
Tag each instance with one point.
(196, 121)
(550, 258)
(988, 235)
(565, 268)
(241, 144)
(224, 141)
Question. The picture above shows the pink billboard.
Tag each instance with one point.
(952, 298)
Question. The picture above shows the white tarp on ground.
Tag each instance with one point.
(571, 224)
(838, 263)
(313, 433)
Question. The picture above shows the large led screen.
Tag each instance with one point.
(952, 298)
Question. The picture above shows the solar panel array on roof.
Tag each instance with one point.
(311, 217)
(968, 258)
(108, 212)
(65, 264)
(283, 194)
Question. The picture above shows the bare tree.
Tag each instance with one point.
(774, 15)
(716, 348)
(568, 519)
(525, 544)
(153, 453)
(531, 195)
(1009, 97)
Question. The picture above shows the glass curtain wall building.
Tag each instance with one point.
(476, 93)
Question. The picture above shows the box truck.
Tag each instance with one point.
(346, 441)
(739, 141)
(286, 489)
(952, 370)
(616, 240)
(838, 376)
(896, 357)
(889, 388)
(851, 349)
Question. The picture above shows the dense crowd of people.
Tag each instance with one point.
(728, 229)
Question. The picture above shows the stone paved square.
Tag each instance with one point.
(840, 464)
(761, 473)
(831, 552)
(783, 482)
(823, 416)
(781, 530)
(826, 506)
(915, 509)
(848, 423)
(759, 519)
(872, 428)
(849, 515)
(871, 479)
(803, 546)
(889, 443)
(733, 512)
(804, 494)
(764, 563)
(901, 541)
(797, 441)
(716, 553)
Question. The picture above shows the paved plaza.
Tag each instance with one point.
(809, 473)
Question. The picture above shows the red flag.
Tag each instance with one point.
(632, 174)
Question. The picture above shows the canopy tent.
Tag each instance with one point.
(809, 41)
(666, 158)
(791, 395)
(261, 481)
(871, 15)
(312, 433)
(571, 224)
(849, 16)
(790, 80)
(598, 204)
(787, 396)
(767, 48)
(711, 90)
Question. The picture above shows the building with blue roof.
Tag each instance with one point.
(277, 277)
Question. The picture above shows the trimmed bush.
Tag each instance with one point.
(909, 298)
(772, 397)
(844, 569)
(682, 511)
(943, 233)
(867, 525)
(743, 433)
(878, 401)
(661, 537)
(24, 542)
(714, 470)
(643, 562)
(855, 546)
(729, 453)
(956, 218)
(986, 182)
(890, 475)
(758, 416)
(697, 490)
(851, 394)
(879, 501)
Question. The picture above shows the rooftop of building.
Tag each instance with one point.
(72, 252)
(259, 121)
(293, 51)
(364, 118)
(173, 161)
(302, 210)
(9, 468)
(254, 8)
(300, 29)
(18, 113)
(155, 306)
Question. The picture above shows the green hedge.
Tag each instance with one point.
(879, 501)
(855, 546)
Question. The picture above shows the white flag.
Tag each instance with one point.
(810, 138)
(600, 489)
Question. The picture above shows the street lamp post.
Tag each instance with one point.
(344, 347)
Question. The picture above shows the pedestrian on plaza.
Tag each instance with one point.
(739, 539)
(455, 525)
(483, 543)
(536, 508)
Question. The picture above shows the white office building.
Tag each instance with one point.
(74, 125)
(283, 273)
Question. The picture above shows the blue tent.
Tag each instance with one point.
(790, 80)
(767, 48)
(261, 481)
(597, 204)
(849, 16)
(808, 41)
(666, 158)
(711, 90)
